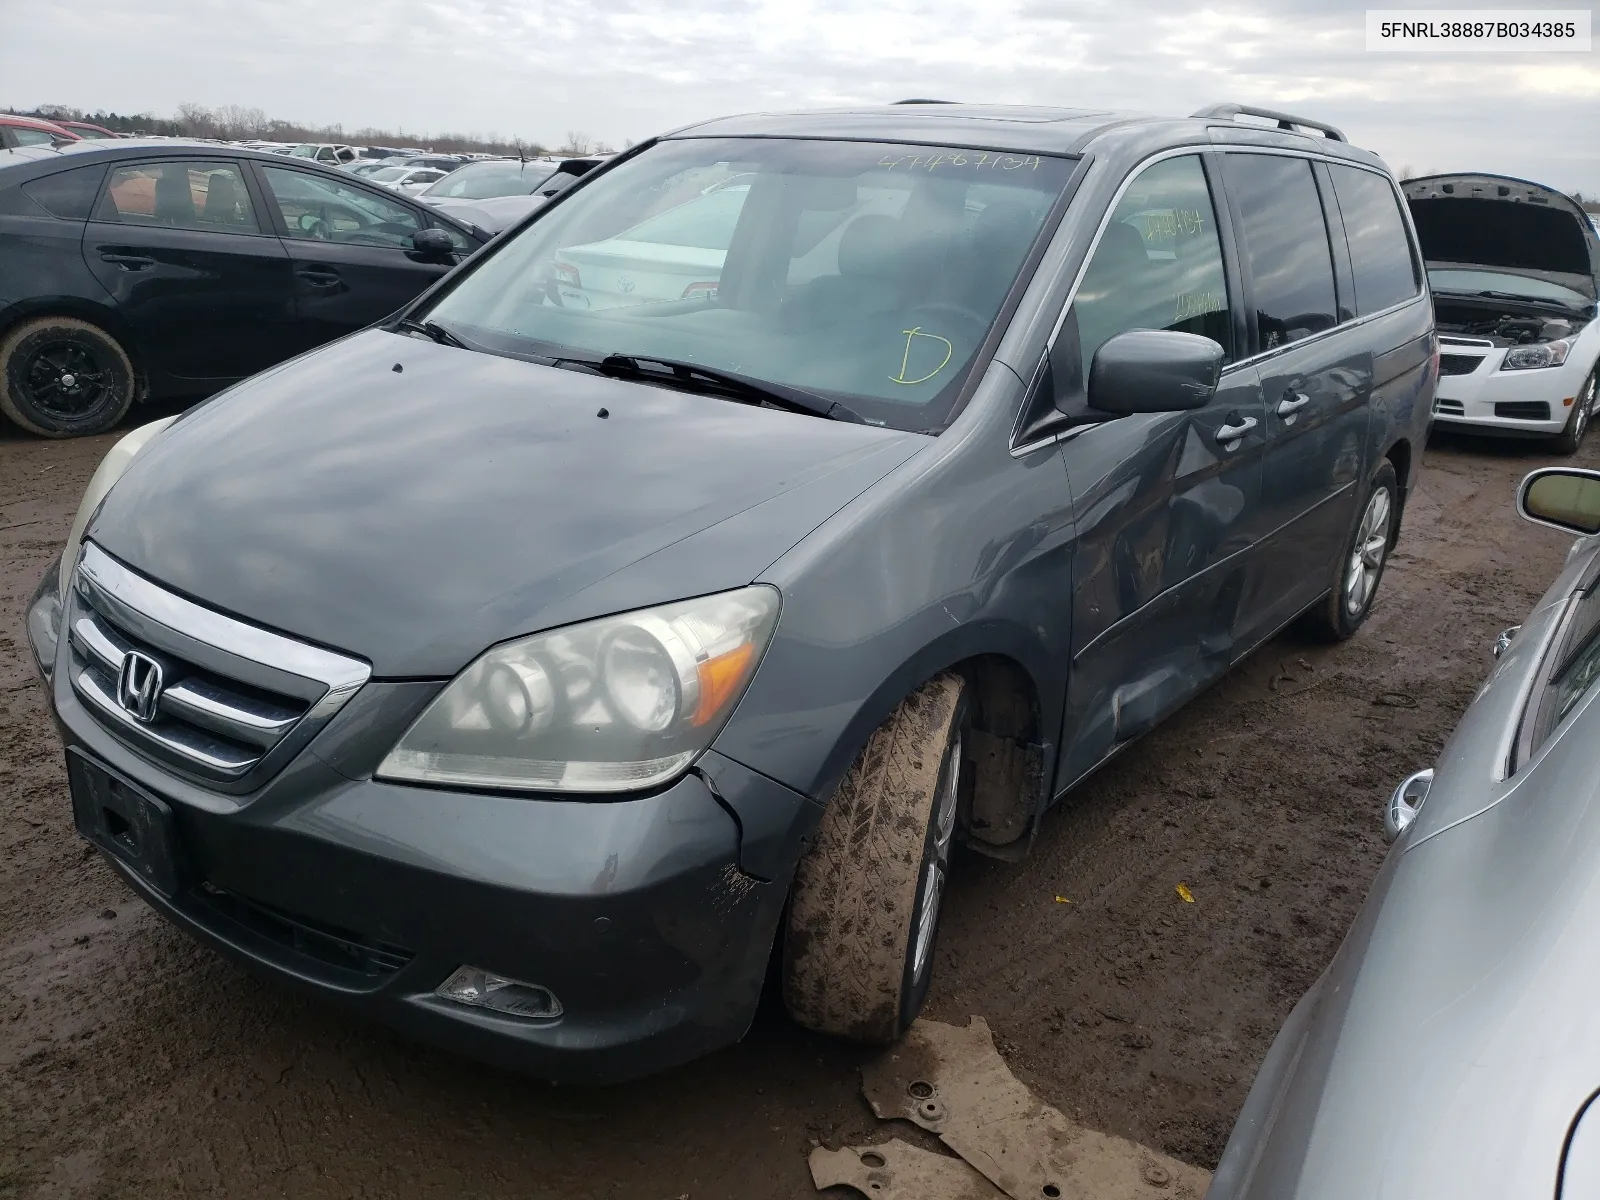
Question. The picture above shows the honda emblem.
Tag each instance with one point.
(139, 685)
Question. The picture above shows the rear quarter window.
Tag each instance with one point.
(67, 194)
(1381, 256)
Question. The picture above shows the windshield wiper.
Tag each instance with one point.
(432, 330)
(1545, 301)
(694, 377)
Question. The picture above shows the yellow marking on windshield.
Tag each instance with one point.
(905, 359)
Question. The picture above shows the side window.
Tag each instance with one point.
(1285, 246)
(67, 194)
(1575, 672)
(21, 136)
(180, 195)
(326, 210)
(1380, 249)
(1158, 264)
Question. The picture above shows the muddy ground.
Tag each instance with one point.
(135, 1064)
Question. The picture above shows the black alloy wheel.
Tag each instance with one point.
(62, 377)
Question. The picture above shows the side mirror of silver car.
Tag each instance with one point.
(1565, 498)
(1406, 802)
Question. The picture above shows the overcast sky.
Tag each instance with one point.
(624, 69)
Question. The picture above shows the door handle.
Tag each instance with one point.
(321, 276)
(128, 262)
(1292, 403)
(1232, 433)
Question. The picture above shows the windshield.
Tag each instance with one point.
(389, 174)
(484, 181)
(866, 273)
(304, 152)
(1446, 279)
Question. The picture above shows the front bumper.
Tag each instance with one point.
(634, 912)
(1486, 399)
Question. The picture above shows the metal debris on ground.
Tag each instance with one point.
(1185, 894)
(897, 1170)
(953, 1082)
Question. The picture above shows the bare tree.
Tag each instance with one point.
(577, 143)
(196, 120)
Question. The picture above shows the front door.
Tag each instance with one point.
(193, 269)
(1315, 377)
(351, 248)
(1165, 502)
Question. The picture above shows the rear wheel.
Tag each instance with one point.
(1360, 567)
(61, 377)
(864, 911)
(1570, 438)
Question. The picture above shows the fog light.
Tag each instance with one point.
(485, 989)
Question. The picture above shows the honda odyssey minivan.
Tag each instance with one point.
(527, 674)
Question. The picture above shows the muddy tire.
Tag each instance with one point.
(1570, 438)
(61, 377)
(1359, 570)
(864, 910)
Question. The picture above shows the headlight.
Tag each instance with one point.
(613, 705)
(111, 468)
(1527, 358)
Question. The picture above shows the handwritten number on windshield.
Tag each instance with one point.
(976, 159)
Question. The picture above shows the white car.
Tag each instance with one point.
(1515, 272)
(409, 180)
(332, 154)
(677, 254)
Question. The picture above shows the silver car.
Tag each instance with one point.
(1452, 1048)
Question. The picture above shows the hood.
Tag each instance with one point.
(491, 215)
(1512, 224)
(417, 516)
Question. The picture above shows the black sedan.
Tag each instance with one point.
(135, 269)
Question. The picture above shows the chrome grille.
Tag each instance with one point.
(233, 703)
(1450, 408)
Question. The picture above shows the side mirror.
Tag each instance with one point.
(1154, 370)
(1562, 497)
(432, 241)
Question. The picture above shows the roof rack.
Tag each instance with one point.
(1286, 121)
(920, 101)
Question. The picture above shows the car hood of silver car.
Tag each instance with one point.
(414, 504)
(1455, 1039)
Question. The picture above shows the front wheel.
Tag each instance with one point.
(864, 911)
(1570, 438)
(61, 377)
(1360, 567)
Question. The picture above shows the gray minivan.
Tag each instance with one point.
(529, 669)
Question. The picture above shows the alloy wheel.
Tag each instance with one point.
(938, 865)
(1367, 555)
